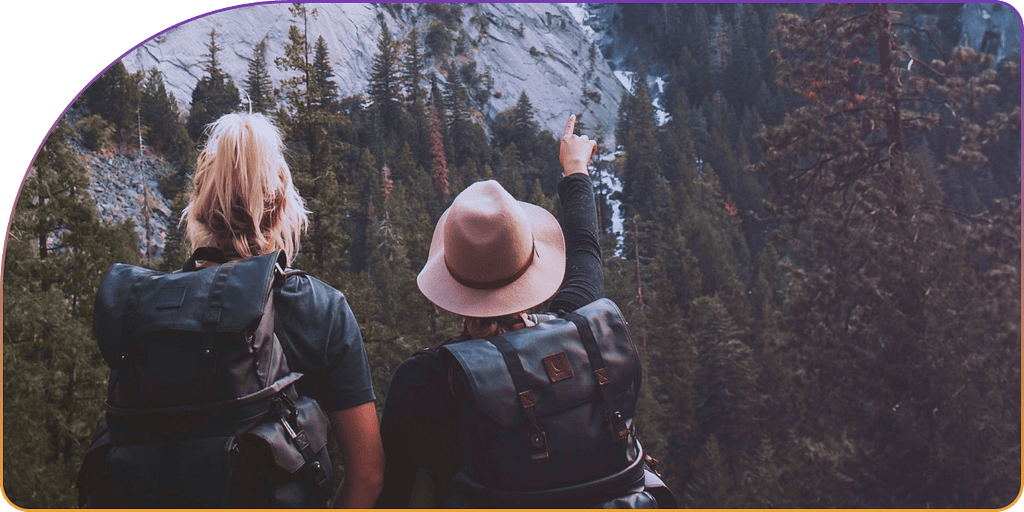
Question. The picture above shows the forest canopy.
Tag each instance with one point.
(819, 255)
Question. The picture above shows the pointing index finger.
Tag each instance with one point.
(570, 126)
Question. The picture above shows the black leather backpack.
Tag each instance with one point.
(546, 416)
(201, 411)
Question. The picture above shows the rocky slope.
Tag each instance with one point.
(123, 185)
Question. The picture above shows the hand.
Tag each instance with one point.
(576, 150)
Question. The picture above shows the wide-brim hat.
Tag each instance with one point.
(492, 255)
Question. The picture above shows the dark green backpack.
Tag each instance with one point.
(546, 416)
(201, 409)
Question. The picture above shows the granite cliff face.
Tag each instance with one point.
(991, 28)
(542, 49)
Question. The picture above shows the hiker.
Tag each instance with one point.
(321, 338)
(245, 214)
(491, 260)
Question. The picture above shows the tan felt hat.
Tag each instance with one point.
(492, 255)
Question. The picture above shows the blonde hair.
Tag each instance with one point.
(244, 202)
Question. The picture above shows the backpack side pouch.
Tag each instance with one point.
(299, 465)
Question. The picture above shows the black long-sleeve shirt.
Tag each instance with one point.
(419, 426)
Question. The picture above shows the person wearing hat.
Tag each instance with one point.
(492, 258)
(244, 204)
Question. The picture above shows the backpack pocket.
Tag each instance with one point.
(295, 451)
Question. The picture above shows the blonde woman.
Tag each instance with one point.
(244, 204)
(491, 259)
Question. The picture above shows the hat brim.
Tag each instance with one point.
(538, 283)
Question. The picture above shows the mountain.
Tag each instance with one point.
(567, 57)
(542, 49)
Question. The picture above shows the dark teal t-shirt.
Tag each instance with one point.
(321, 340)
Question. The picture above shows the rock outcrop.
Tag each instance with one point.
(540, 48)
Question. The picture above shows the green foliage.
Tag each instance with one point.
(825, 307)
(438, 40)
(258, 86)
(449, 15)
(213, 96)
(54, 380)
(114, 96)
(97, 134)
(384, 90)
(871, 339)
(159, 114)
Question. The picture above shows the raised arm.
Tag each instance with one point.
(584, 275)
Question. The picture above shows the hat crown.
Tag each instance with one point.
(488, 241)
(492, 255)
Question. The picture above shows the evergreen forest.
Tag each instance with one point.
(819, 255)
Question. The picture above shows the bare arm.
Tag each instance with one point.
(362, 453)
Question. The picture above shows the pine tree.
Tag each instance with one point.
(213, 96)
(384, 91)
(698, 41)
(524, 127)
(641, 171)
(720, 44)
(315, 155)
(159, 113)
(459, 128)
(323, 74)
(258, 86)
(114, 96)
(517, 126)
(412, 68)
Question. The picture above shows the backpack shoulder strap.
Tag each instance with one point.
(620, 429)
(537, 439)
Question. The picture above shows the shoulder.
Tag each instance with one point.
(307, 293)
(418, 390)
(301, 283)
(426, 365)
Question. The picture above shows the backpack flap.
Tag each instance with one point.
(162, 334)
(559, 428)
(558, 369)
(134, 301)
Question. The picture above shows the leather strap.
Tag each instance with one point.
(211, 317)
(124, 346)
(289, 419)
(619, 428)
(537, 439)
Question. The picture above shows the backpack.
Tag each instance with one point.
(201, 410)
(546, 416)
